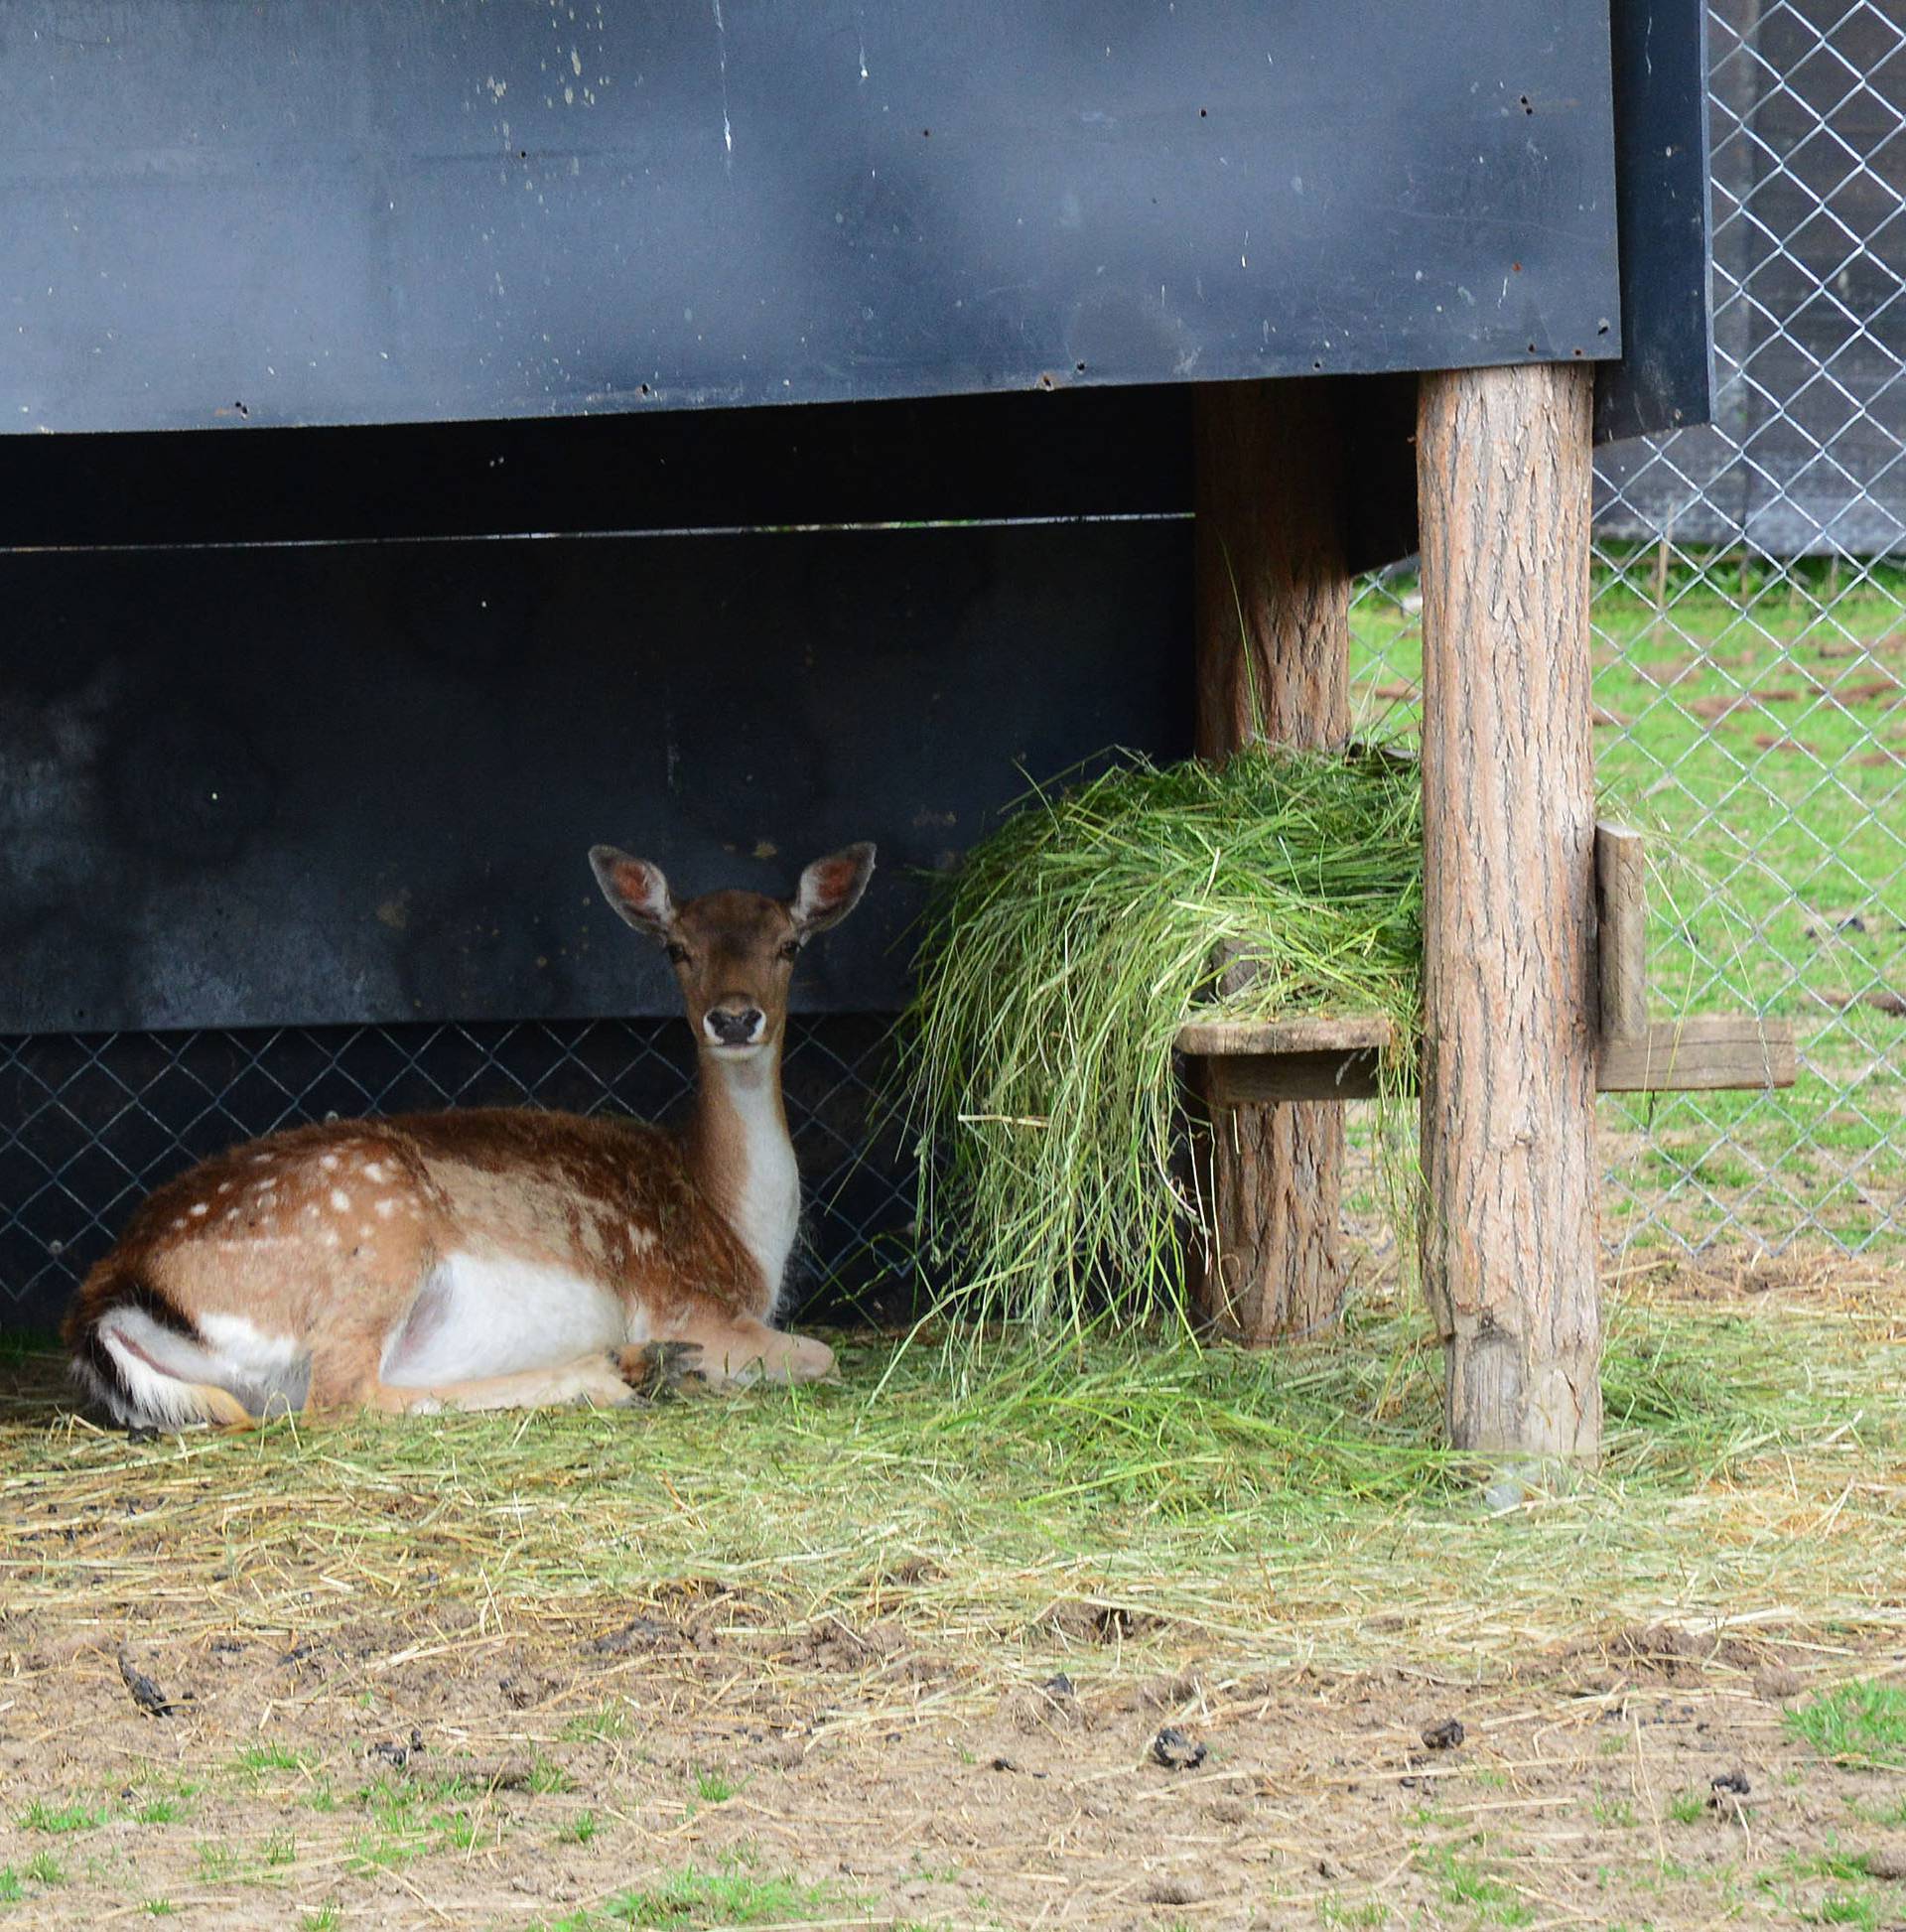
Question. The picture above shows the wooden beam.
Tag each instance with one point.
(1248, 1064)
(1257, 1062)
(1509, 1232)
(1304, 1035)
(1264, 1079)
(1273, 666)
(1621, 935)
(1698, 1056)
(1252, 1063)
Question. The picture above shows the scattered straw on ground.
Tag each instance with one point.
(644, 1649)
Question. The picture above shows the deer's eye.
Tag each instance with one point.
(677, 953)
(791, 949)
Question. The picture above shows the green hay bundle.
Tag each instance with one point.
(1057, 964)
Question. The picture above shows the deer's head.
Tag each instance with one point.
(734, 952)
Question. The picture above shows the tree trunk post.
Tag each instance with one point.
(1509, 1237)
(1274, 665)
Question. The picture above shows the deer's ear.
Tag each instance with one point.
(636, 888)
(831, 887)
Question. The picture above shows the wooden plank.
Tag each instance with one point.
(1273, 1036)
(727, 214)
(1698, 1056)
(1249, 1065)
(1621, 939)
(1260, 1079)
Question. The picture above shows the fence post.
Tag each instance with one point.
(1509, 999)
(1272, 663)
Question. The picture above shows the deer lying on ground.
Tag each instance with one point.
(490, 1259)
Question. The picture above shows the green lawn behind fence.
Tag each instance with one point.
(1753, 721)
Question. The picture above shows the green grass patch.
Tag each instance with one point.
(601, 1726)
(1470, 1883)
(1860, 1725)
(411, 1818)
(258, 1762)
(60, 1819)
(698, 1898)
(217, 1860)
(1753, 728)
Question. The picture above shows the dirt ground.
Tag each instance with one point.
(449, 1770)
(705, 1754)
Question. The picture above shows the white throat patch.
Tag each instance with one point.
(767, 1213)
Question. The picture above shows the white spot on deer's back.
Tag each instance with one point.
(386, 1207)
(375, 1170)
(329, 1162)
(198, 1209)
(340, 1200)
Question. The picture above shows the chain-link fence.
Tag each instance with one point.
(91, 1123)
(1750, 624)
(1751, 630)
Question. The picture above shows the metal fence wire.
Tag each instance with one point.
(1750, 627)
(1750, 619)
(92, 1122)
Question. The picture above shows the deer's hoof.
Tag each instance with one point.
(655, 1370)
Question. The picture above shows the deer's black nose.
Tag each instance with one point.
(734, 1025)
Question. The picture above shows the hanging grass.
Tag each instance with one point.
(1057, 964)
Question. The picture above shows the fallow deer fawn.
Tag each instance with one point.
(490, 1259)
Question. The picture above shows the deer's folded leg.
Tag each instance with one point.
(736, 1350)
(602, 1380)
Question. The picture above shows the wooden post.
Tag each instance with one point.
(1509, 1234)
(1621, 932)
(1621, 935)
(1272, 663)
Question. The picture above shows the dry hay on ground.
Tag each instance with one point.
(903, 1660)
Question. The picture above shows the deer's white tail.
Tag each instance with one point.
(153, 1365)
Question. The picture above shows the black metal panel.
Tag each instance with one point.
(356, 784)
(314, 212)
(1091, 452)
(1666, 378)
